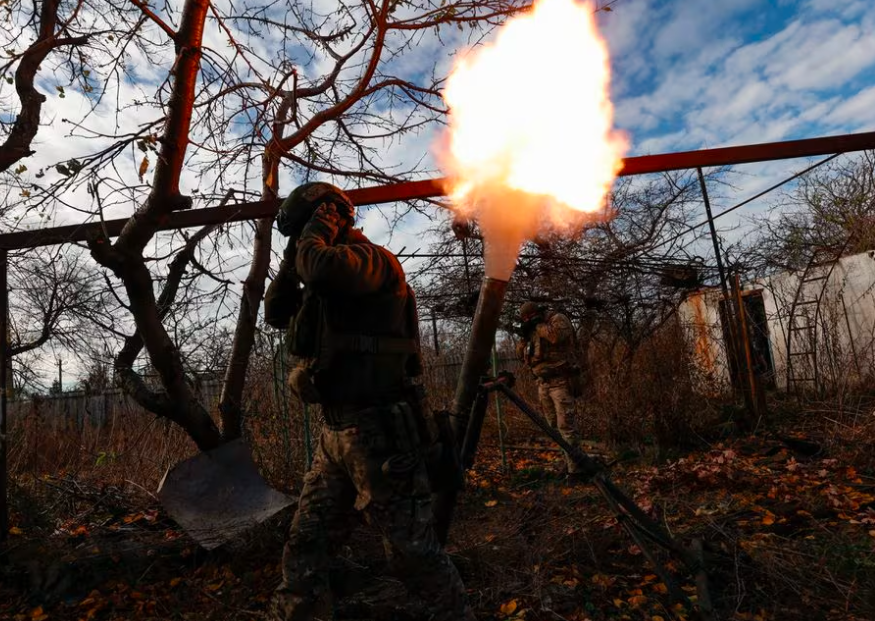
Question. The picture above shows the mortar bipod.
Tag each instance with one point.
(640, 527)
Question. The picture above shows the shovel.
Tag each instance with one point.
(217, 495)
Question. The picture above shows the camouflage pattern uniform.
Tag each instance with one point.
(368, 456)
(548, 352)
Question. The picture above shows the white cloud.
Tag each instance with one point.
(856, 113)
(686, 75)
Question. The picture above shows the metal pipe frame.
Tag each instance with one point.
(405, 191)
(431, 188)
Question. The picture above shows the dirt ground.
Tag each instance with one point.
(788, 527)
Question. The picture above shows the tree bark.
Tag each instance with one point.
(231, 401)
(125, 257)
(17, 143)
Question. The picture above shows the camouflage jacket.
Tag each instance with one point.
(360, 295)
(549, 351)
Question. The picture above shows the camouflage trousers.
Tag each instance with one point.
(557, 404)
(348, 474)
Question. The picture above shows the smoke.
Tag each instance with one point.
(530, 147)
(508, 218)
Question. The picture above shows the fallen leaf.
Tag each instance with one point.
(175, 581)
(638, 600)
(37, 614)
(508, 608)
(490, 503)
(602, 580)
(15, 531)
(768, 519)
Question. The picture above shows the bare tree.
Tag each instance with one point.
(619, 276)
(220, 113)
(830, 210)
(56, 30)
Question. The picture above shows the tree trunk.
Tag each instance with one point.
(231, 402)
(125, 257)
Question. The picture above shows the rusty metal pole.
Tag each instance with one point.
(753, 396)
(731, 316)
(498, 413)
(474, 367)
(4, 356)
(714, 239)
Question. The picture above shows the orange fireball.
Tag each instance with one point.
(531, 124)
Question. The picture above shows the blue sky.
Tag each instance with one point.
(692, 74)
(686, 74)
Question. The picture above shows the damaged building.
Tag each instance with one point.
(808, 330)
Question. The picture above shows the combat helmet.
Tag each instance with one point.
(530, 309)
(304, 200)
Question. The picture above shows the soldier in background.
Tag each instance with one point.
(548, 349)
(351, 320)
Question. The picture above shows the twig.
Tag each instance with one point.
(706, 607)
(153, 496)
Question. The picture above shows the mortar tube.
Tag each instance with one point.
(477, 356)
(474, 367)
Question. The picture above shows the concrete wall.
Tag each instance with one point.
(699, 317)
(844, 325)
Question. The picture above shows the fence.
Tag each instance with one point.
(75, 432)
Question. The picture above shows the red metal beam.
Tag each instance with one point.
(410, 190)
(765, 152)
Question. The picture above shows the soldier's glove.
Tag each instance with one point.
(327, 222)
(301, 384)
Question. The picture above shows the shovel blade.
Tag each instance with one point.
(217, 495)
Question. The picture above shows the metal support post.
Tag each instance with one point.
(753, 395)
(735, 346)
(4, 358)
(498, 413)
(280, 399)
(434, 332)
(714, 239)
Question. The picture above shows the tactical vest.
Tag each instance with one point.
(362, 350)
(548, 360)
